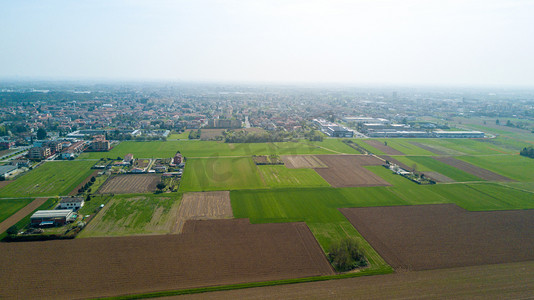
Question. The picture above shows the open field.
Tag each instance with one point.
(135, 214)
(471, 169)
(336, 145)
(10, 217)
(211, 174)
(499, 281)
(50, 179)
(433, 150)
(347, 170)
(179, 136)
(192, 149)
(516, 167)
(280, 176)
(11, 206)
(203, 206)
(4, 183)
(130, 184)
(302, 161)
(444, 236)
(465, 146)
(385, 149)
(433, 165)
(208, 134)
(224, 252)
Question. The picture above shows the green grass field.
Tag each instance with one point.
(335, 145)
(516, 167)
(179, 136)
(426, 163)
(404, 146)
(466, 146)
(205, 149)
(278, 176)
(50, 179)
(11, 206)
(135, 214)
(211, 174)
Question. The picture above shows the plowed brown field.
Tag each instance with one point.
(472, 169)
(131, 183)
(380, 146)
(437, 177)
(302, 161)
(203, 206)
(348, 170)
(208, 253)
(438, 236)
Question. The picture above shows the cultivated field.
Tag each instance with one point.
(86, 180)
(385, 149)
(278, 176)
(13, 213)
(347, 170)
(434, 150)
(191, 149)
(209, 134)
(135, 214)
(50, 179)
(429, 164)
(212, 174)
(4, 183)
(516, 167)
(500, 281)
(444, 236)
(471, 169)
(11, 206)
(130, 184)
(302, 161)
(203, 206)
(223, 252)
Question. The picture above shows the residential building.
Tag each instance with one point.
(39, 152)
(74, 203)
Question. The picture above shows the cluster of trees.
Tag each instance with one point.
(314, 136)
(193, 135)
(87, 186)
(242, 136)
(527, 151)
(346, 255)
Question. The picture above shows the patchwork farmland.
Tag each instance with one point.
(203, 206)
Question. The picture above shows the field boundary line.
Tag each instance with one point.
(21, 213)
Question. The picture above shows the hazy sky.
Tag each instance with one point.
(380, 42)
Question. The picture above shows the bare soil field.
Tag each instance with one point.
(429, 148)
(203, 206)
(26, 210)
(209, 134)
(422, 237)
(209, 253)
(86, 180)
(501, 281)
(380, 146)
(131, 183)
(348, 171)
(472, 169)
(302, 161)
(438, 177)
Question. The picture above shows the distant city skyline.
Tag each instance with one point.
(414, 42)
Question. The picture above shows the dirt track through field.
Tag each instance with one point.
(74, 192)
(429, 148)
(203, 206)
(348, 170)
(26, 210)
(130, 183)
(502, 281)
(302, 161)
(438, 236)
(214, 252)
(380, 146)
(472, 169)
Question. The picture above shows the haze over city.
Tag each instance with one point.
(355, 42)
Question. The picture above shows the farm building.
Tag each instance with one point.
(128, 158)
(71, 203)
(177, 159)
(7, 171)
(52, 217)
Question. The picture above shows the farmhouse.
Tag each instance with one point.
(177, 158)
(52, 217)
(128, 158)
(71, 203)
